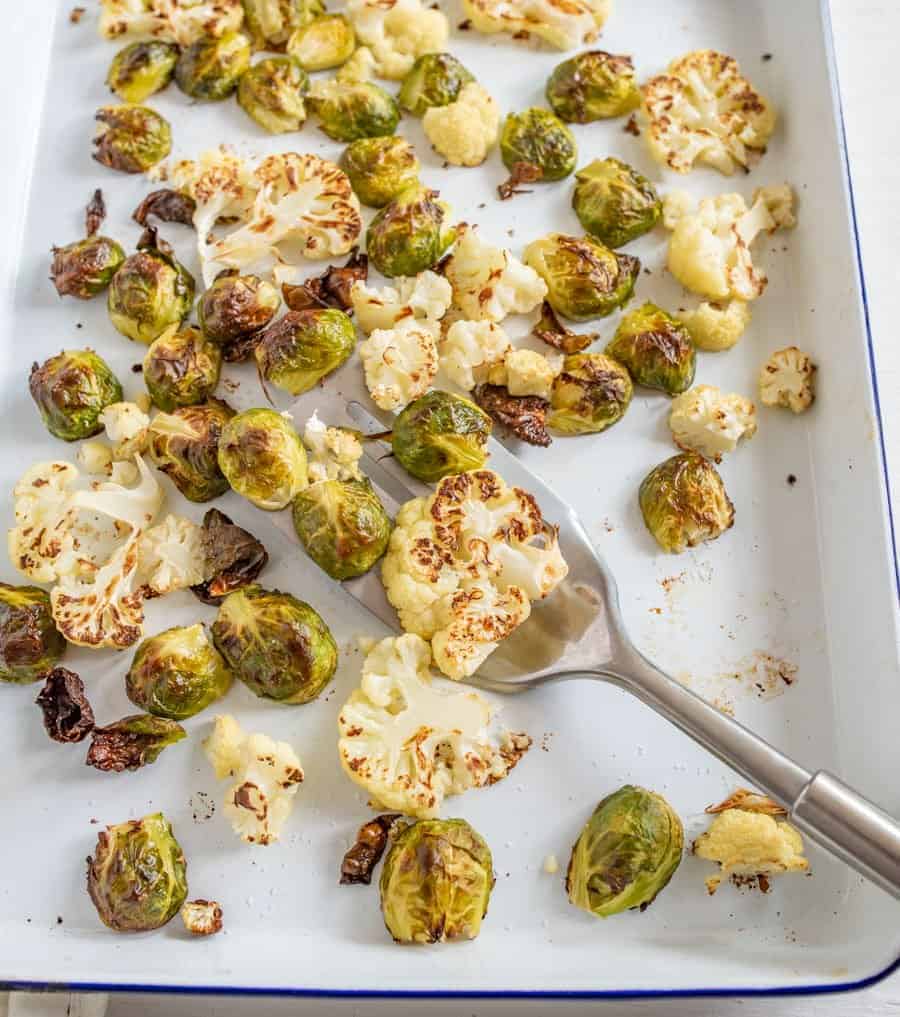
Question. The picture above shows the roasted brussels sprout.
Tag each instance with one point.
(137, 878)
(350, 110)
(656, 348)
(142, 68)
(30, 644)
(435, 79)
(684, 502)
(326, 41)
(614, 203)
(68, 717)
(132, 742)
(236, 307)
(539, 140)
(181, 368)
(299, 349)
(271, 22)
(272, 92)
(71, 390)
(85, 268)
(263, 458)
(593, 86)
(168, 206)
(409, 235)
(627, 852)
(439, 434)
(590, 394)
(436, 882)
(184, 444)
(380, 168)
(177, 673)
(131, 139)
(584, 279)
(211, 67)
(278, 646)
(232, 558)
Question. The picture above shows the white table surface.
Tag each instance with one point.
(865, 38)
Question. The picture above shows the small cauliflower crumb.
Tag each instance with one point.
(779, 200)
(551, 865)
(126, 425)
(464, 131)
(526, 373)
(95, 458)
(787, 379)
(124, 473)
(202, 917)
(715, 327)
(706, 420)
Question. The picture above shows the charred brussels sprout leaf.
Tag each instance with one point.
(436, 882)
(211, 67)
(177, 673)
(137, 878)
(271, 22)
(371, 840)
(331, 288)
(141, 69)
(593, 86)
(150, 292)
(439, 434)
(525, 416)
(326, 41)
(278, 646)
(132, 742)
(626, 854)
(538, 139)
(550, 330)
(235, 307)
(435, 79)
(656, 348)
(380, 168)
(94, 213)
(184, 445)
(30, 644)
(71, 390)
(590, 394)
(684, 502)
(85, 268)
(299, 349)
(131, 139)
(350, 110)
(272, 92)
(233, 558)
(68, 716)
(409, 235)
(263, 458)
(168, 206)
(614, 203)
(181, 368)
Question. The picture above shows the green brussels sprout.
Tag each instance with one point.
(584, 278)
(299, 349)
(380, 168)
(263, 458)
(272, 91)
(278, 646)
(435, 79)
(593, 86)
(132, 742)
(439, 434)
(614, 202)
(349, 110)
(436, 882)
(684, 502)
(656, 348)
(236, 307)
(177, 673)
(181, 368)
(139, 70)
(408, 235)
(211, 67)
(30, 644)
(184, 445)
(590, 394)
(137, 878)
(627, 852)
(85, 268)
(71, 390)
(271, 22)
(539, 140)
(342, 526)
(131, 139)
(325, 42)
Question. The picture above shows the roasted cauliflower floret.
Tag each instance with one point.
(126, 426)
(526, 373)
(465, 130)
(714, 327)
(779, 200)
(703, 110)
(409, 744)
(469, 349)
(333, 453)
(424, 297)
(181, 21)
(400, 363)
(788, 379)
(706, 420)
(397, 32)
(94, 458)
(563, 24)
(675, 205)
(171, 556)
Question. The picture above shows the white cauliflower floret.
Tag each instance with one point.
(489, 282)
(44, 514)
(564, 24)
(333, 452)
(464, 565)
(464, 131)
(170, 556)
(95, 458)
(267, 776)
(469, 349)
(527, 373)
(397, 32)
(400, 363)
(675, 205)
(706, 420)
(126, 426)
(424, 297)
(779, 200)
(703, 110)
(181, 21)
(787, 379)
(123, 473)
(714, 327)
(409, 744)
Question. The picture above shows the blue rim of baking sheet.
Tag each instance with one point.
(563, 994)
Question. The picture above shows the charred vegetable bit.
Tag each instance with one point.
(520, 173)
(233, 558)
(168, 206)
(331, 289)
(371, 840)
(551, 330)
(30, 644)
(95, 213)
(525, 416)
(68, 716)
(202, 917)
(132, 742)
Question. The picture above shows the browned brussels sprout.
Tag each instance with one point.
(272, 92)
(71, 390)
(324, 42)
(184, 445)
(590, 394)
(331, 288)
(439, 434)
(263, 458)
(656, 348)
(211, 67)
(360, 860)
(86, 267)
(298, 350)
(551, 330)
(538, 139)
(349, 110)
(141, 69)
(30, 644)
(234, 308)
(131, 139)
(132, 742)
(271, 22)
(380, 168)
(435, 79)
(181, 368)
(524, 416)
(593, 86)
(168, 206)
(409, 234)
(614, 202)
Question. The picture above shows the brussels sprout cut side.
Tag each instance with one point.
(593, 86)
(591, 393)
(234, 309)
(435, 79)
(131, 139)
(71, 390)
(141, 69)
(380, 168)
(408, 235)
(211, 67)
(271, 22)
(181, 368)
(614, 203)
(271, 93)
(535, 145)
(298, 350)
(656, 348)
(325, 42)
(439, 434)
(263, 458)
(184, 445)
(350, 110)
(30, 644)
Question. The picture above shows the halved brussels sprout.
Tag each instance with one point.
(593, 86)
(211, 67)
(278, 646)
(141, 69)
(132, 742)
(263, 458)
(30, 644)
(409, 235)
(436, 882)
(539, 140)
(380, 168)
(184, 445)
(325, 42)
(137, 878)
(349, 110)
(271, 22)
(234, 308)
(439, 434)
(272, 91)
(584, 278)
(71, 390)
(181, 368)
(614, 203)
(435, 79)
(131, 139)
(85, 268)
(684, 502)
(656, 348)
(590, 394)
(299, 349)
(177, 673)
(626, 854)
